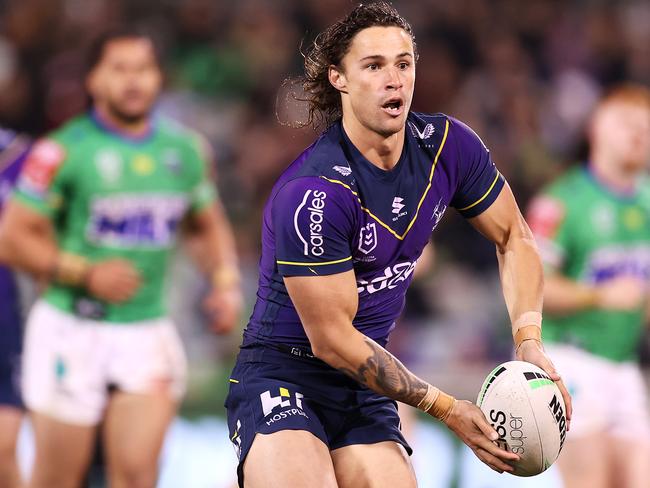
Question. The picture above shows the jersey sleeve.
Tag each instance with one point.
(479, 180)
(547, 217)
(43, 179)
(313, 227)
(203, 191)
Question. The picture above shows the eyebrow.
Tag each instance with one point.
(379, 56)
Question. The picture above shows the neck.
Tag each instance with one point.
(135, 128)
(614, 176)
(382, 151)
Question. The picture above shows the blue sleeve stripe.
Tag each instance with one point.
(293, 263)
(496, 178)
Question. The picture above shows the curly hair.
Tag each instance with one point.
(329, 48)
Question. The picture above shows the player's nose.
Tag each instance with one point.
(394, 78)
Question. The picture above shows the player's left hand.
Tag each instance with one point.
(223, 306)
(533, 352)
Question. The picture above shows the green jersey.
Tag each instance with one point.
(113, 196)
(590, 234)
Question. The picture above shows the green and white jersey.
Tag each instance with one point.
(590, 234)
(112, 196)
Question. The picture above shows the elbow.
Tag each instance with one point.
(324, 348)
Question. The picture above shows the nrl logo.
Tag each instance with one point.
(344, 170)
(426, 132)
(368, 238)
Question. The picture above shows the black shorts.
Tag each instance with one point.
(273, 390)
(11, 341)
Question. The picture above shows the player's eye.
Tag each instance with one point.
(373, 67)
(403, 65)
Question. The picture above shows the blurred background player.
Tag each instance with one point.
(593, 226)
(13, 148)
(98, 209)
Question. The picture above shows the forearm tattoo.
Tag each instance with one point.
(385, 374)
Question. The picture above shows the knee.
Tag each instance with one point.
(134, 475)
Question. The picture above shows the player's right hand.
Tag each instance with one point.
(621, 293)
(113, 280)
(468, 422)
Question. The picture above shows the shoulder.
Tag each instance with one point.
(175, 132)
(569, 186)
(555, 203)
(73, 132)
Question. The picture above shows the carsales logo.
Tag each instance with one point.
(313, 242)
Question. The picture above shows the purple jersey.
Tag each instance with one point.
(332, 211)
(13, 149)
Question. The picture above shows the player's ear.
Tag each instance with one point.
(337, 78)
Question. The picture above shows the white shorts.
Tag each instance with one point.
(607, 396)
(70, 364)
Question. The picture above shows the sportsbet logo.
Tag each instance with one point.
(270, 403)
(315, 200)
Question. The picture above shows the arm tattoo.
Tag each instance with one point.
(385, 374)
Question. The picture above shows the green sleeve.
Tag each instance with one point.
(45, 178)
(203, 191)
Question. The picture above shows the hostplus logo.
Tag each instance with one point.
(397, 208)
(282, 402)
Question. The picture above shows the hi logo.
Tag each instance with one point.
(397, 208)
(283, 401)
(368, 238)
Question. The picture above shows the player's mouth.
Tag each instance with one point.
(393, 106)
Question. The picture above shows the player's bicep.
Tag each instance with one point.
(326, 304)
(312, 228)
(479, 181)
(502, 220)
(20, 222)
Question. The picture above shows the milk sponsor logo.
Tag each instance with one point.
(312, 236)
(392, 277)
(136, 220)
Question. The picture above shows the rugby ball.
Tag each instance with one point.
(527, 410)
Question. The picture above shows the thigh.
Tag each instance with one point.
(631, 462)
(384, 464)
(134, 430)
(63, 452)
(585, 462)
(583, 375)
(10, 420)
(147, 358)
(294, 458)
(63, 367)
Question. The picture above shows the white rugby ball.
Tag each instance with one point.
(527, 410)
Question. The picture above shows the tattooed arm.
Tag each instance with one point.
(326, 306)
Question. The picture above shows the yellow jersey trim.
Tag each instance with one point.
(233, 381)
(293, 263)
(496, 178)
(426, 191)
